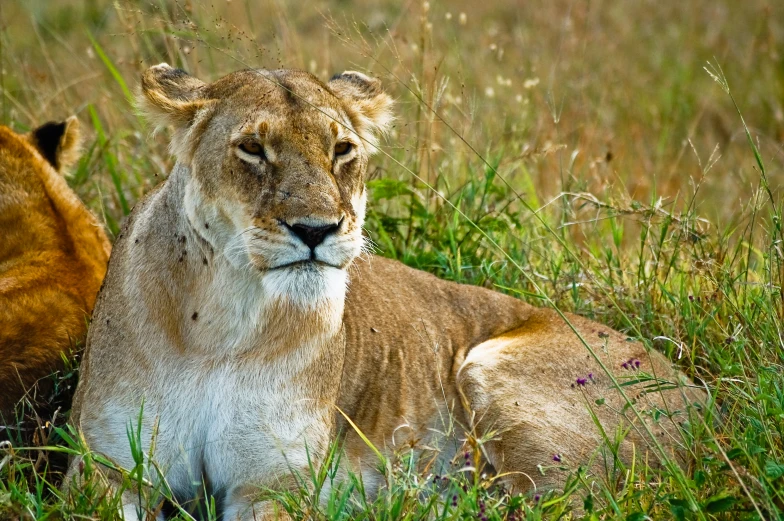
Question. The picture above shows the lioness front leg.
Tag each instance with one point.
(537, 387)
(242, 504)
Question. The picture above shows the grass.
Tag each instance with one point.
(588, 156)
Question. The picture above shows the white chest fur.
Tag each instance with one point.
(217, 406)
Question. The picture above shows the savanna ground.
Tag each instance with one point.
(585, 155)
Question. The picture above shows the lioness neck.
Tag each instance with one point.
(208, 299)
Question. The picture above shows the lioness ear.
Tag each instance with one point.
(170, 96)
(58, 142)
(371, 106)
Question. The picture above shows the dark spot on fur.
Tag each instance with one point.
(204, 260)
(136, 241)
(47, 140)
(207, 225)
(181, 239)
(195, 315)
(107, 321)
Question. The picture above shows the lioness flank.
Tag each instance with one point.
(240, 313)
(53, 255)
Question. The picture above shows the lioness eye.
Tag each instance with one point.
(252, 148)
(341, 149)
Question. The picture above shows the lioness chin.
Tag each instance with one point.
(238, 312)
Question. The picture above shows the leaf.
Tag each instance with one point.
(678, 508)
(635, 516)
(588, 503)
(386, 188)
(720, 504)
(774, 469)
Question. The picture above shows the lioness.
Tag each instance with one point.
(53, 255)
(238, 312)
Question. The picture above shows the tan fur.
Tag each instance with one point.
(242, 359)
(53, 255)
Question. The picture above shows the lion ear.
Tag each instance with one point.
(170, 96)
(370, 107)
(58, 142)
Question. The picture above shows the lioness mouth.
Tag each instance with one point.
(306, 264)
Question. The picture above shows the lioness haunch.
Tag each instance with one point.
(238, 311)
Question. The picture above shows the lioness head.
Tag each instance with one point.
(277, 162)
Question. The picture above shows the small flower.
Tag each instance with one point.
(537, 497)
(463, 19)
(530, 83)
(557, 458)
(637, 364)
(590, 376)
(581, 381)
(467, 456)
(625, 365)
(691, 298)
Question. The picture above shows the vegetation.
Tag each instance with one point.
(590, 156)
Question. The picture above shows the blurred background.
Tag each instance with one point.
(571, 96)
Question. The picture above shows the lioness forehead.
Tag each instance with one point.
(284, 100)
(287, 90)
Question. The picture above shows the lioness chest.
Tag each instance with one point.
(217, 423)
(216, 410)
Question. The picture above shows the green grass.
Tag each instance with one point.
(574, 155)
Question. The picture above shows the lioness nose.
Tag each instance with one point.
(312, 236)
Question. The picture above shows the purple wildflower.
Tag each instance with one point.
(537, 497)
(581, 381)
(557, 458)
(590, 376)
(637, 364)
(625, 365)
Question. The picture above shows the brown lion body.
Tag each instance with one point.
(239, 314)
(53, 255)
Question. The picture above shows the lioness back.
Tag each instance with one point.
(53, 255)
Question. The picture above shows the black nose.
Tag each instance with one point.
(312, 236)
